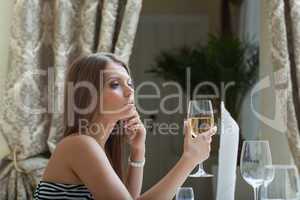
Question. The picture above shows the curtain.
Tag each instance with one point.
(284, 16)
(45, 37)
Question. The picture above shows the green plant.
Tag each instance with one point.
(221, 60)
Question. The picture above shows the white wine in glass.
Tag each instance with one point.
(201, 118)
(201, 123)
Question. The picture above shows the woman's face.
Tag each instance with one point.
(117, 95)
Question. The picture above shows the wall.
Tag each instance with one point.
(187, 7)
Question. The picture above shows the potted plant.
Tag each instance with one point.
(221, 60)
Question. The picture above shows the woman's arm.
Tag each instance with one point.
(136, 137)
(195, 150)
(166, 187)
(134, 178)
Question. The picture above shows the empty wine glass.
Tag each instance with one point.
(255, 157)
(284, 186)
(201, 117)
(185, 193)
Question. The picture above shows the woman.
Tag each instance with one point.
(99, 114)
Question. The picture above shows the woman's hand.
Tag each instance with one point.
(135, 131)
(197, 149)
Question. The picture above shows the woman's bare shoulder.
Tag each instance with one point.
(76, 143)
(77, 138)
(70, 151)
(88, 161)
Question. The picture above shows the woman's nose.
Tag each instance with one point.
(128, 91)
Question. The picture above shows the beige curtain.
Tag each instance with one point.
(45, 37)
(285, 50)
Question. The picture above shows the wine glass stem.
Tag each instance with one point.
(200, 166)
(256, 191)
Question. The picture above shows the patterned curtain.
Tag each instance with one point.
(284, 16)
(45, 37)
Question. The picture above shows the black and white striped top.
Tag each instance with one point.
(51, 190)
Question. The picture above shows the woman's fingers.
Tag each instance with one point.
(187, 129)
(132, 114)
(130, 111)
(132, 131)
(132, 121)
(212, 131)
(133, 126)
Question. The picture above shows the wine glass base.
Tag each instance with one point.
(201, 173)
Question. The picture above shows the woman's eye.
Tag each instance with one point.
(114, 85)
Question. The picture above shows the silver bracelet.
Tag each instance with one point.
(139, 163)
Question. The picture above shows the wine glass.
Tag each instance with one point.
(285, 184)
(255, 157)
(269, 173)
(201, 118)
(185, 193)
